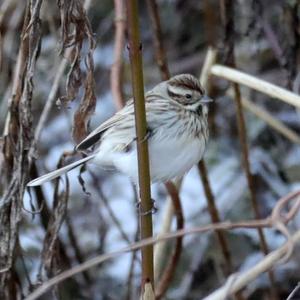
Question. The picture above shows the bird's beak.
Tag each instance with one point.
(206, 99)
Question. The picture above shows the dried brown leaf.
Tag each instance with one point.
(76, 29)
(17, 142)
(50, 259)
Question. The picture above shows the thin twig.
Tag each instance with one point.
(5, 6)
(160, 248)
(54, 88)
(227, 12)
(108, 208)
(76, 248)
(293, 293)
(45, 216)
(214, 215)
(271, 121)
(170, 268)
(51, 97)
(246, 165)
(117, 66)
(134, 258)
(212, 208)
(209, 61)
(242, 279)
(283, 56)
(257, 84)
(253, 224)
(160, 54)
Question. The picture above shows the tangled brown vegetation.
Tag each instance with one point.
(54, 70)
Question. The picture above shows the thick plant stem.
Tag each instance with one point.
(142, 145)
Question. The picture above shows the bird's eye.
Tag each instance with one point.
(188, 96)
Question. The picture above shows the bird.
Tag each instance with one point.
(177, 134)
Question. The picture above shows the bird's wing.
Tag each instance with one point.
(123, 121)
(96, 134)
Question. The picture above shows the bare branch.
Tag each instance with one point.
(267, 262)
(117, 66)
(257, 84)
(160, 54)
(170, 268)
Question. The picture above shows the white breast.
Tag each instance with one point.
(168, 159)
(174, 157)
(173, 150)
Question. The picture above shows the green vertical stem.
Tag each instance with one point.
(142, 145)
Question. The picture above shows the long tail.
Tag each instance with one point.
(54, 174)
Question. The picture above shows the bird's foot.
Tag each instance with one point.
(152, 211)
(146, 137)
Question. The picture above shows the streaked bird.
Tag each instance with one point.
(177, 133)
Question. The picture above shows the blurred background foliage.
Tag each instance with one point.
(98, 214)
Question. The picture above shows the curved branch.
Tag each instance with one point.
(172, 263)
(267, 262)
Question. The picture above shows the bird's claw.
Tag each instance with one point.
(146, 137)
(152, 211)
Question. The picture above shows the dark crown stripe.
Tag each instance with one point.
(189, 82)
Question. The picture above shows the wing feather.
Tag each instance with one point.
(96, 134)
(124, 120)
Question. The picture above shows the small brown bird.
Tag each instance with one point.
(176, 112)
